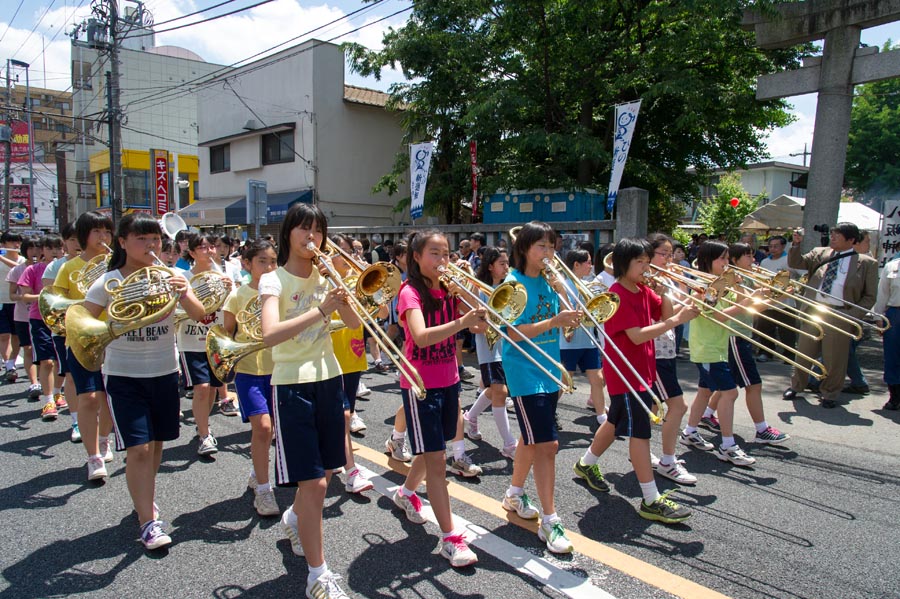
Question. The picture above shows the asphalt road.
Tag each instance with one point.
(816, 519)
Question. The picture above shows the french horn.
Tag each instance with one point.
(224, 352)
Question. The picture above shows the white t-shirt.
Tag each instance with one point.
(191, 335)
(145, 353)
(4, 289)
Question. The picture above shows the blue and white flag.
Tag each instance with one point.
(626, 119)
(419, 163)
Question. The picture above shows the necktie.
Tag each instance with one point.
(830, 275)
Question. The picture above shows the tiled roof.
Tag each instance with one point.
(362, 95)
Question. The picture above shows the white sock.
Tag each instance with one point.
(459, 449)
(761, 426)
(589, 459)
(10, 364)
(501, 419)
(650, 492)
(395, 435)
(45, 398)
(315, 574)
(708, 412)
(453, 533)
(479, 406)
(56, 391)
(292, 517)
(548, 518)
(406, 492)
(264, 488)
(667, 460)
(727, 442)
(690, 430)
(74, 416)
(97, 457)
(514, 491)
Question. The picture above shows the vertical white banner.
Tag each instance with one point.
(626, 119)
(889, 244)
(419, 163)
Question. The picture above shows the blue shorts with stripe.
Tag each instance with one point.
(196, 370)
(536, 416)
(41, 342)
(143, 409)
(715, 377)
(667, 385)
(431, 420)
(59, 350)
(629, 418)
(23, 332)
(741, 362)
(254, 394)
(86, 381)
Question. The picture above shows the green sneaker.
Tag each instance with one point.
(592, 475)
(664, 510)
(554, 535)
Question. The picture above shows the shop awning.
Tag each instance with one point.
(278, 203)
(212, 212)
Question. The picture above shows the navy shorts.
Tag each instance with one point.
(667, 385)
(741, 363)
(628, 416)
(587, 358)
(431, 421)
(143, 410)
(41, 342)
(536, 417)
(716, 377)
(59, 352)
(7, 324)
(86, 381)
(309, 430)
(492, 374)
(195, 366)
(23, 332)
(254, 394)
(351, 386)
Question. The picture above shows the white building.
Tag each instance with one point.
(290, 121)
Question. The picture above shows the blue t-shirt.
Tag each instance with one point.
(523, 377)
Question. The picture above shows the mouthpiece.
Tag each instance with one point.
(311, 246)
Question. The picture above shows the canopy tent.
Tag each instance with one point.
(786, 212)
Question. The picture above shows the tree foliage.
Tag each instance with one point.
(718, 215)
(873, 150)
(534, 82)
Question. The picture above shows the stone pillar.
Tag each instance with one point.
(631, 213)
(829, 151)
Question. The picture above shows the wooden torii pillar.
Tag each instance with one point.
(842, 65)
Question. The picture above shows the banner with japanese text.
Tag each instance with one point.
(889, 244)
(626, 119)
(419, 164)
(19, 141)
(160, 171)
(19, 205)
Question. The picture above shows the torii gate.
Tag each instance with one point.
(842, 65)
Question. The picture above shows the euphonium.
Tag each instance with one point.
(144, 297)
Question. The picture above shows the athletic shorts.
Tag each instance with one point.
(667, 385)
(7, 324)
(143, 410)
(431, 420)
(254, 394)
(629, 418)
(41, 342)
(587, 358)
(741, 363)
(195, 367)
(85, 380)
(716, 377)
(309, 430)
(23, 332)
(492, 374)
(351, 386)
(536, 415)
(59, 353)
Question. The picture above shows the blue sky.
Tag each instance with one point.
(47, 47)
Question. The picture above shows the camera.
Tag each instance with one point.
(822, 229)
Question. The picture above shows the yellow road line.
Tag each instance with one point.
(632, 566)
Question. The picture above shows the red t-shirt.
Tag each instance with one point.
(640, 310)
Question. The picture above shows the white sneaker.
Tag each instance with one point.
(96, 469)
(326, 587)
(521, 505)
(471, 427)
(695, 439)
(509, 451)
(509, 404)
(362, 390)
(291, 533)
(76, 434)
(735, 455)
(252, 483)
(464, 467)
(398, 450)
(554, 535)
(457, 551)
(265, 503)
(106, 450)
(358, 483)
(411, 505)
(677, 472)
(208, 445)
(356, 423)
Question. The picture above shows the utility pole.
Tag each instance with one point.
(804, 153)
(114, 110)
(8, 143)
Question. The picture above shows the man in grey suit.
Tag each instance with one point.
(838, 271)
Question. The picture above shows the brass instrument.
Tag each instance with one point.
(143, 298)
(406, 369)
(53, 306)
(210, 289)
(505, 304)
(224, 352)
(375, 284)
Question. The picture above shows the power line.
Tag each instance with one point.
(8, 25)
(237, 10)
(191, 14)
(36, 25)
(58, 31)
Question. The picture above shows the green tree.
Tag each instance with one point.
(873, 150)
(534, 82)
(718, 215)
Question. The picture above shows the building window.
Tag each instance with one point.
(278, 147)
(63, 105)
(137, 188)
(35, 102)
(220, 158)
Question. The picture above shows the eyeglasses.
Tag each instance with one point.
(663, 254)
(205, 247)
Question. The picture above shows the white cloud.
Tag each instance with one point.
(790, 140)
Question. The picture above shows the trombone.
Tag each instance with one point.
(504, 304)
(368, 321)
(375, 284)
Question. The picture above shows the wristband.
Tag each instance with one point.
(322, 312)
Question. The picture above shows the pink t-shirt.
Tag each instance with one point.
(33, 277)
(641, 310)
(436, 363)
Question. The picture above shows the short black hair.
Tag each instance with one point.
(89, 221)
(136, 223)
(736, 250)
(626, 250)
(578, 255)
(299, 215)
(848, 230)
(51, 240)
(479, 237)
(709, 251)
(10, 236)
(68, 232)
(528, 235)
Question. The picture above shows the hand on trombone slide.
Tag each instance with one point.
(568, 318)
(335, 299)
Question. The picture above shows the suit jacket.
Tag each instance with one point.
(861, 286)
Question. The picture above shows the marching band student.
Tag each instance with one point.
(93, 231)
(141, 373)
(31, 250)
(709, 351)
(44, 354)
(642, 316)
(9, 342)
(430, 315)
(743, 366)
(397, 445)
(666, 382)
(493, 270)
(535, 395)
(253, 378)
(169, 253)
(308, 404)
(191, 341)
(62, 375)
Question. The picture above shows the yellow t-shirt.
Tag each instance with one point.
(258, 363)
(307, 357)
(64, 278)
(350, 349)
